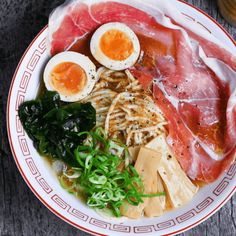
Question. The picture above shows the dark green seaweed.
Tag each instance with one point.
(54, 125)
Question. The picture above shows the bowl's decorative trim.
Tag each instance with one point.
(25, 151)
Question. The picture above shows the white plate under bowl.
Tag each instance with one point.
(44, 184)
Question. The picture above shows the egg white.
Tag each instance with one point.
(83, 61)
(106, 61)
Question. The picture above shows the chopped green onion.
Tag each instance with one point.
(95, 179)
(154, 194)
(105, 185)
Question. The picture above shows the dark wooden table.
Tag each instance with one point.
(21, 213)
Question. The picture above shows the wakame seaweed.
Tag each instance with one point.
(54, 125)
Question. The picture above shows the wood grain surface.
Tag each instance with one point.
(21, 213)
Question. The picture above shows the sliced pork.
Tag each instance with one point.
(190, 73)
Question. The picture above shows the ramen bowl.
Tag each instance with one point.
(44, 183)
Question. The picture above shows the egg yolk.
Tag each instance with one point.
(68, 78)
(116, 45)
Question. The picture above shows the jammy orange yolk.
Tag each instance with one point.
(68, 78)
(116, 45)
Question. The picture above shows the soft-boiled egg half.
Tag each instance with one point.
(71, 74)
(115, 46)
